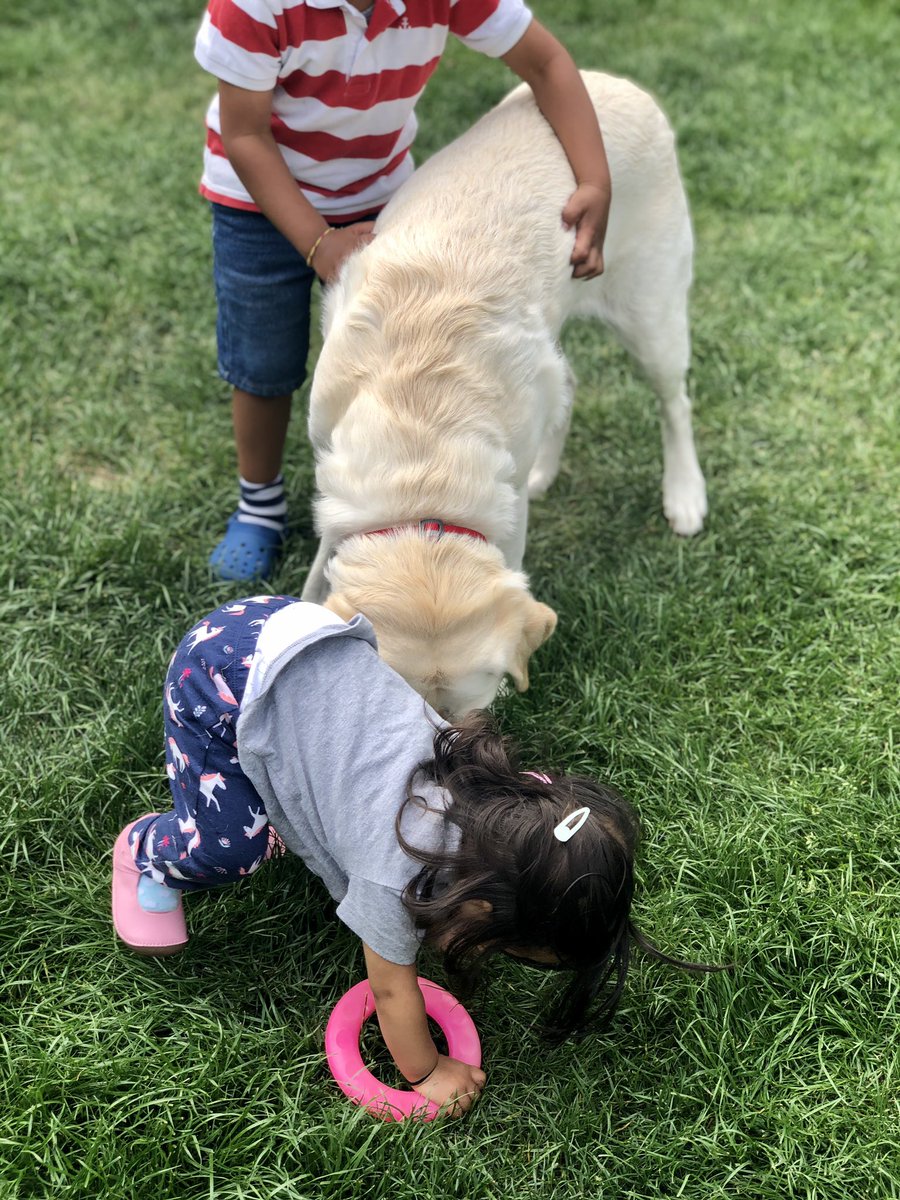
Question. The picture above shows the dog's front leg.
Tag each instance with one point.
(559, 400)
(657, 335)
(316, 587)
(513, 547)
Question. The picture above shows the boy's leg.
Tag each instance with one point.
(260, 430)
(263, 290)
(256, 531)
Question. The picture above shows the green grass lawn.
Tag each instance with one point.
(740, 687)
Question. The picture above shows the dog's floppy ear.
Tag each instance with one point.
(340, 606)
(540, 621)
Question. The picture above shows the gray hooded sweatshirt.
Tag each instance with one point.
(329, 735)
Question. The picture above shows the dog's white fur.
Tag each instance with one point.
(441, 390)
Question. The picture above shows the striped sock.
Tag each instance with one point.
(263, 503)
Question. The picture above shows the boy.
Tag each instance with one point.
(307, 139)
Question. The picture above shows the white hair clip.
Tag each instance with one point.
(571, 824)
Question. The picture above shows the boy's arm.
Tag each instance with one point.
(404, 1026)
(546, 66)
(253, 152)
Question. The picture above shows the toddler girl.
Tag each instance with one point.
(284, 727)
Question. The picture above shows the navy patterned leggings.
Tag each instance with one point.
(218, 830)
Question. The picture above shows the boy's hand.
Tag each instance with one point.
(588, 210)
(453, 1085)
(338, 245)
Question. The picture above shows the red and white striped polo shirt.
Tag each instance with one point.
(344, 89)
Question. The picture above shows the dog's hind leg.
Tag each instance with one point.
(684, 488)
(654, 329)
(663, 354)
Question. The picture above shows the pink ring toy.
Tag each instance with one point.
(342, 1035)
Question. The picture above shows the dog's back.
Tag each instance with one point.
(467, 213)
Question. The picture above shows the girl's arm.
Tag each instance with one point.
(253, 152)
(404, 1026)
(546, 66)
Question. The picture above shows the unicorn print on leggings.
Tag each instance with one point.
(179, 758)
(224, 722)
(173, 706)
(203, 633)
(223, 691)
(260, 821)
(254, 866)
(190, 827)
(208, 785)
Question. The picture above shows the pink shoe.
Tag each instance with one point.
(148, 933)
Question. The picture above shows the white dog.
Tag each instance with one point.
(441, 394)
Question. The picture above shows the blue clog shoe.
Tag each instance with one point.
(247, 551)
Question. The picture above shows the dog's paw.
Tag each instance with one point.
(684, 504)
(539, 483)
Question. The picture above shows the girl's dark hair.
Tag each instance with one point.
(572, 898)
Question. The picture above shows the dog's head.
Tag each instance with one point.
(450, 617)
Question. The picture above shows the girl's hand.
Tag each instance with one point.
(453, 1085)
(338, 245)
(588, 210)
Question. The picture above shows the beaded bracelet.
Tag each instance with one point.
(324, 234)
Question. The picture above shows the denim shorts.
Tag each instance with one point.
(263, 291)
